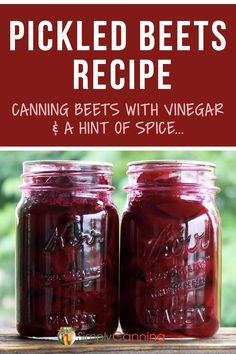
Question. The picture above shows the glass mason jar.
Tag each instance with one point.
(67, 249)
(170, 250)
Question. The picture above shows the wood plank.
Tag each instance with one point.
(223, 342)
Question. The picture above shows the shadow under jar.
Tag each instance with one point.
(170, 250)
(67, 249)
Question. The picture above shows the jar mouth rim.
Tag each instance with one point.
(60, 166)
(67, 162)
(172, 163)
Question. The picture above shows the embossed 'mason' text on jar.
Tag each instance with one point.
(170, 250)
(67, 249)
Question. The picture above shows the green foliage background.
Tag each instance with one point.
(11, 167)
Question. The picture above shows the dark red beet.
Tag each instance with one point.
(170, 273)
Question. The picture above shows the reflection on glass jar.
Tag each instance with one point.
(67, 249)
(170, 250)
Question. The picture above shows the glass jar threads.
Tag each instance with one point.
(170, 250)
(67, 249)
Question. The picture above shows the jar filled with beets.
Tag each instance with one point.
(67, 249)
(171, 250)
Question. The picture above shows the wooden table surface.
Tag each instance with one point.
(223, 342)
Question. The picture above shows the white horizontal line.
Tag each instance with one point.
(122, 2)
(118, 148)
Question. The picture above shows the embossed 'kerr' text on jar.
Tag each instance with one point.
(67, 249)
(170, 250)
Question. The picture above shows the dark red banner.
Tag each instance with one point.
(117, 75)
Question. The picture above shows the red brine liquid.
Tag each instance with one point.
(170, 250)
(67, 250)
